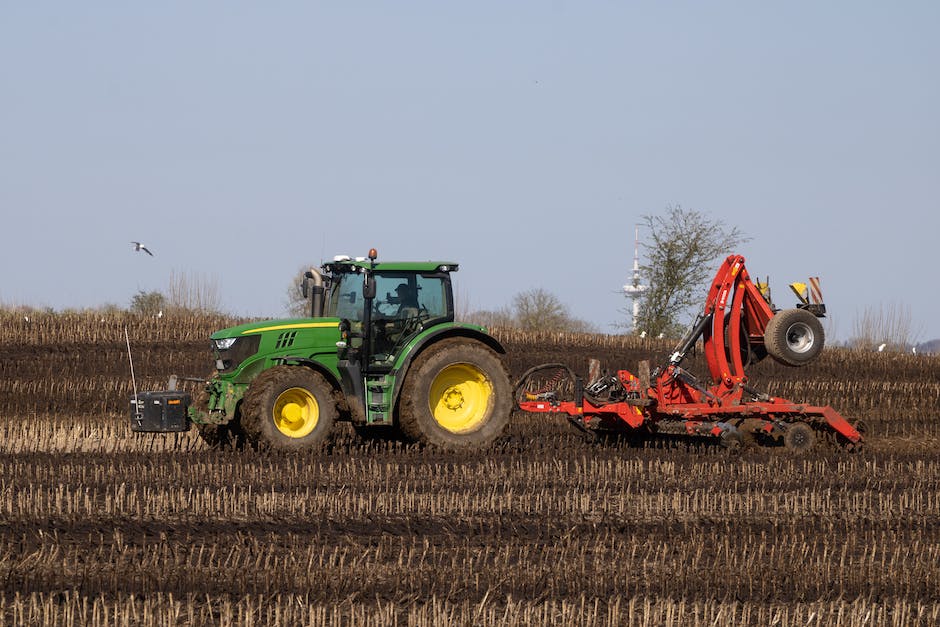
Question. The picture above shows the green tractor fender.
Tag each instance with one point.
(224, 394)
(312, 363)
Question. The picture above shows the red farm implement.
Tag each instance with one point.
(738, 326)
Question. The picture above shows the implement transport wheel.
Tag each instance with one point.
(794, 337)
(799, 437)
(456, 395)
(288, 408)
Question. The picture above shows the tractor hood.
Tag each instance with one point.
(264, 326)
(245, 350)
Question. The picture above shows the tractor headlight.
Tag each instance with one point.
(225, 343)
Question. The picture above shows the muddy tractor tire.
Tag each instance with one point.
(288, 408)
(794, 337)
(456, 395)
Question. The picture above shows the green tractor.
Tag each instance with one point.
(381, 350)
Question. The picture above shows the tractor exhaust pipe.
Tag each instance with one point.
(312, 287)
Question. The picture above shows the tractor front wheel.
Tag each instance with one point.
(456, 395)
(288, 408)
(794, 337)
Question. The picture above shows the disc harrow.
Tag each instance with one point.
(738, 326)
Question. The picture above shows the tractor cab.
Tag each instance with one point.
(382, 306)
(405, 301)
(388, 311)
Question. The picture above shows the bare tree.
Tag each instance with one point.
(148, 303)
(540, 310)
(532, 310)
(193, 292)
(886, 327)
(294, 302)
(537, 309)
(501, 317)
(679, 259)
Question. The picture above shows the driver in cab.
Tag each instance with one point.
(407, 302)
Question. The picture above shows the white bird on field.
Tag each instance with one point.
(140, 247)
(882, 347)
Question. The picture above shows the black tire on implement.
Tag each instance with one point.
(799, 437)
(794, 337)
(456, 395)
(288, 408)
(733, 440)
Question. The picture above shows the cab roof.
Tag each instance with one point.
(341, 264)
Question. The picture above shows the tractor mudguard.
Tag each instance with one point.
(432, 336)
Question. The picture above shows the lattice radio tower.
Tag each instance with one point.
(634, 290)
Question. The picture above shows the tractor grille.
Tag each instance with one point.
(285, 340)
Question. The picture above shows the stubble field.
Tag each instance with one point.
(100, 526)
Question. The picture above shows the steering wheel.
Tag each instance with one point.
(377, 309)
(411, 324)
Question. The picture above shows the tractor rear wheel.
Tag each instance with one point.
(794, 337)
(288, 408)
(799, 437)
(456, 395)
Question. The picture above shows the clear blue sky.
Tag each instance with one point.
(241, 140)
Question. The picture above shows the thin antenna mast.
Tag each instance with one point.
(127, 339)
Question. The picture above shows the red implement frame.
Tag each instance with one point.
(733, 322)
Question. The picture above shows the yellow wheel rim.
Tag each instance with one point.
(460, 398)
(296, 412)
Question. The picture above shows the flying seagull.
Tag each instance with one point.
(138, 247)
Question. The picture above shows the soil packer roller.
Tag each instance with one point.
(738, 326)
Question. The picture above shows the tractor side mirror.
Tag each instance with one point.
(368, 287)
